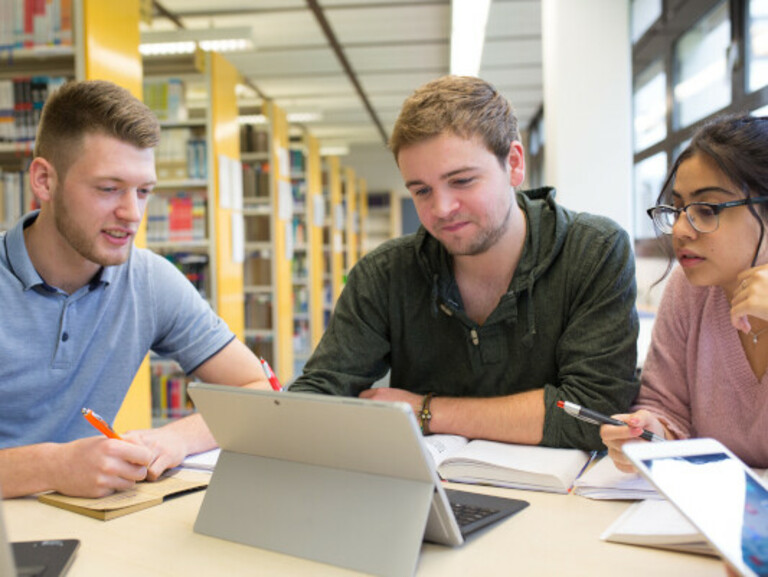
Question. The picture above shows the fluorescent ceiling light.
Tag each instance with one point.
(183, 41)
(304, 116)
(252, 119)
(468, 20)
(338, 150)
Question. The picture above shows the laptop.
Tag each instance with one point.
(340, 480)
(35, 558)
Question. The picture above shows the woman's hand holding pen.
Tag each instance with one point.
(614, 437)
(97, 466)
(750, 298)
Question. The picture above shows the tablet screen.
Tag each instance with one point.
(716, 493)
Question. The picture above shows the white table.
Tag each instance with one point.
(556, 535)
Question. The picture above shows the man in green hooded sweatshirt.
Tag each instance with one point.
(503, 302)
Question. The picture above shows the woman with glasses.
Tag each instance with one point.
(705, 374)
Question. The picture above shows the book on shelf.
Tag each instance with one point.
(657, 523)
(21, 105)
(142, 496)
(506, 465)
(35, 23)
(166, 98)
(604, 481)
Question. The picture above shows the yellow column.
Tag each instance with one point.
(230, 300)
(315, 238)
(363, 212)
(353, 222)
(337, 227)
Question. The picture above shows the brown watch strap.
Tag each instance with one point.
(425, 414)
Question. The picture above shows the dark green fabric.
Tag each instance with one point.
(568, 323)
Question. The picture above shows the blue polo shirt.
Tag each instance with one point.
(60, 352)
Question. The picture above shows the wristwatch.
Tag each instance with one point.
(425, 415)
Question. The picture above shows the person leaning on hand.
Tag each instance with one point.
(88, 306)
(500, 305)
(706, 372)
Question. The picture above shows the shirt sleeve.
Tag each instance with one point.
(187, 329)
(597, 351)
(664, 380)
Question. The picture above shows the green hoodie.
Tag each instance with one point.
(567, 324)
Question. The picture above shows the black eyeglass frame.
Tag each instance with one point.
(717, 208)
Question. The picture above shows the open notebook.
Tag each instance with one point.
(329, 479)
(35, 558)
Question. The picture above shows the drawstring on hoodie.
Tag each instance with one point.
(528, 338)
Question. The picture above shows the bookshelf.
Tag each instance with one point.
(352, 217)
(258, 214)
(378, 222)
(300, 266)
(362, 202)
(270, 208)
(195, 211)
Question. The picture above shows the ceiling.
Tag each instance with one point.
(390, 48)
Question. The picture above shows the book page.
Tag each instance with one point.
(511, 465)
(604, 481)
(656, 523)
(202, 461)
(441, 447)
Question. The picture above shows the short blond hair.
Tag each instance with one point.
(464, 105)
(91, 107)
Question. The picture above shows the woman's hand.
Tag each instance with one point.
(615, 436)
(750, 298)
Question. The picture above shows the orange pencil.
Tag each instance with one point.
(100, 424)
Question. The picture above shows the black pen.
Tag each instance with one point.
(590, 416)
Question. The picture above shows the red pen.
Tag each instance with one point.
(100, 424)
(274, 383)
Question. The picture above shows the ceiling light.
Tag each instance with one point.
(303, 117)
(468, 20)
(334, 150)
(183, 41)
(252, 119)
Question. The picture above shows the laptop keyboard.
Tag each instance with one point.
(468, 514)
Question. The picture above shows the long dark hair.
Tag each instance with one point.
(739, 146)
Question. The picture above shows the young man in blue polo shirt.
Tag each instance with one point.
(87, 307)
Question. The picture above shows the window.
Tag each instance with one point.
(649, 178)
(644, 14)
(757, 51)
(702, 80)
(649, 105)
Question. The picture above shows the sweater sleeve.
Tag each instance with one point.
(664, 380)
(597, 351)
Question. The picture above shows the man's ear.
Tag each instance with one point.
(516, 159)
(42, 179)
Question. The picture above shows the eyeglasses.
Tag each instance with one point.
(703, 216)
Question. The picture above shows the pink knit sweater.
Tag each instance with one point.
(696, 376)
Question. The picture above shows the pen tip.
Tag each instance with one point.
(83, 410)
